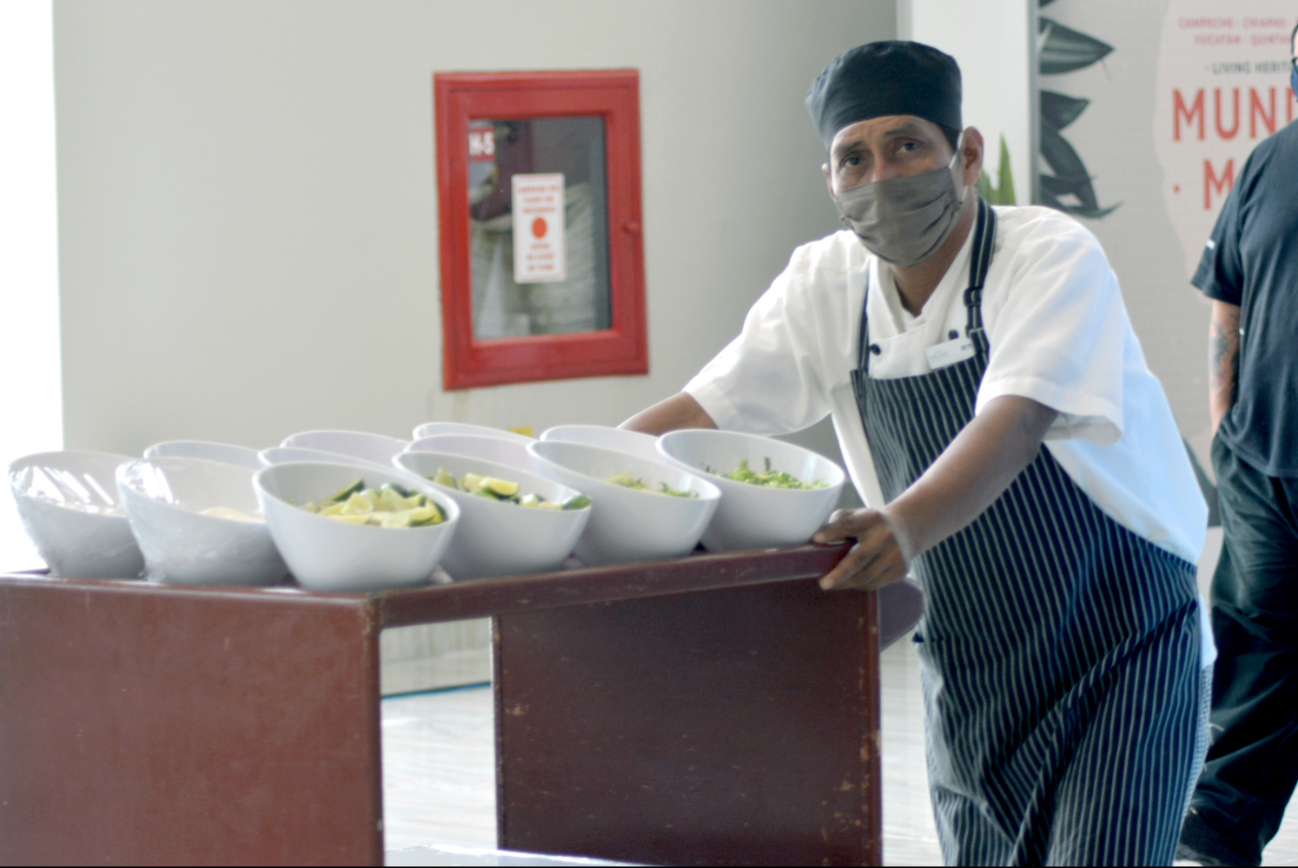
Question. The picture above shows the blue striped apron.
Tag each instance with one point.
(1059, 650)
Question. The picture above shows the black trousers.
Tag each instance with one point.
(1252, 763)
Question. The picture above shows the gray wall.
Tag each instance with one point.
(248, 213)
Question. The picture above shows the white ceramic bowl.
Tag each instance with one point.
(227, 453)
(436, 429)
(69, 505)
(501, 539)
(378, 448)
(285, 454)
(328, 555)
(630, 442)
(628, 525)
(495, 449)
(751, 516)
(165, 499)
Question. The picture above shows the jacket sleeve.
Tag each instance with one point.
(769, 379)
(1061, 335)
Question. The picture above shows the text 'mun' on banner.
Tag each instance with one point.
(538, 228)
(1223, 86)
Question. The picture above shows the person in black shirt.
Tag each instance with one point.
(1250, 271)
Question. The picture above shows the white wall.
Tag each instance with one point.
(248, 209)
(30, 404)
(992, 44)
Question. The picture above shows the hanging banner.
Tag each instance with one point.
(1147, 113)
(1223, 86)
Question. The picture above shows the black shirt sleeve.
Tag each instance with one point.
(1221, 272)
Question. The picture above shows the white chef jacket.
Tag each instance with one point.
(1059, 334)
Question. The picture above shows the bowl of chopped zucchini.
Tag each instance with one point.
(346, 528)
(643, 510)
(512, 521)
(773, 493)
(198, 522)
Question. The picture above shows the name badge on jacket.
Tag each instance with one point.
(946, 354)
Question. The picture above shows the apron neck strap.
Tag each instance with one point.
(980, 262)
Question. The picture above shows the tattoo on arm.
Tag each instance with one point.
(1223, 351)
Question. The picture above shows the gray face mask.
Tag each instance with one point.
(905, 220)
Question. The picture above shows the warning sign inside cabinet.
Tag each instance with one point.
(538, 228)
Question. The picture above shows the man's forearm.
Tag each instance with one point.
(971, 473)
(974, 470)
(1223, 361)
(671, 414)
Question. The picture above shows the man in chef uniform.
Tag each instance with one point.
(1015, 454)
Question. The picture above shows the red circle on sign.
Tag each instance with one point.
(539, 227)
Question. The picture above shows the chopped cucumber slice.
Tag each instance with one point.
(355, 488)
(577, 501)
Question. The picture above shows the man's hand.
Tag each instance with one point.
(880, 556)
(966, 478)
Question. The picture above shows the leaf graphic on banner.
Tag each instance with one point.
(1044, 3)
(1070, 178)
(1076, 210)
(1058, 111)
(1065, 50)
(1063, 160)
(1061, 49)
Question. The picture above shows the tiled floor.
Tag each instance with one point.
(439, 785)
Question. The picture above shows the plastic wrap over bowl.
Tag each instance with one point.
(198, 522)
(71, 510)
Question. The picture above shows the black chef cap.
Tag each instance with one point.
(885, 78)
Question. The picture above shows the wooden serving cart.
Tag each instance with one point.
(718, 709)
